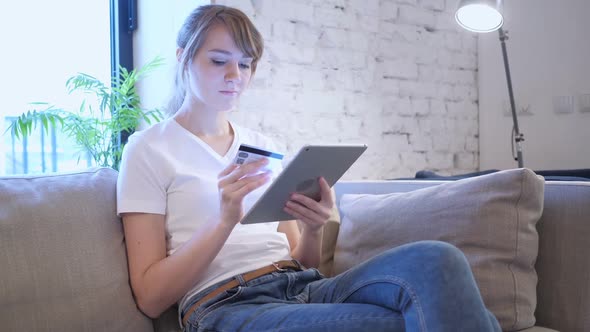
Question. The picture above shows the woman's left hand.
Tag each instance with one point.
(313, 214)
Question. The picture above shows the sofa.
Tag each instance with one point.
(64, 267)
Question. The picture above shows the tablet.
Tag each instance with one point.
(301, 175)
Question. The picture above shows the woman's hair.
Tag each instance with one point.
(193, 33)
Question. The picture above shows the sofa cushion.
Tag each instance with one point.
(62, 254)
(563, 265)
(491, 218)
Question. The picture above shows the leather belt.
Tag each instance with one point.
(274, 267)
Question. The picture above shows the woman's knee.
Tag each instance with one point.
(434, 254)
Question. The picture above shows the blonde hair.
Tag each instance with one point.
(193, 33)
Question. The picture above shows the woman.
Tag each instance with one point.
(181, 200)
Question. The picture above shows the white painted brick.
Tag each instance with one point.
(358, 41)
(453, 41)
(398, 75)
(451, 6)
(397, 105)
(306, 35)
(444, 58)
(395, 143)
(286, 76)
(387, 86)
(441, 142)
(338, 58)
(312, 78)
(287, 10)
(436, 5)
(464, 76)
(418, 89)
(439, 160)
(245, 6)
(430, 73)
(470, 41)
(414, 161)
(334, 17)
(388, 11)
(291, 53)
(465, 92)
(320, 102)
(447, 22)
(394, 124)
(472, 143)
(402, 69)
(338, 79)
(368, 23)
(264, 26)
(366, 7)
(333, 37)
(283, 30)
(406, 2)
(344, 38)
(421, 107)
(464, 61)
(327, 3)
(465, 160)
(416, 16)
(425, 56)
(438, 106)
(401, 32)
(366, 107)
(420, 142)
(446, 92)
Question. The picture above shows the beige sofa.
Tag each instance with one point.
(63, 263)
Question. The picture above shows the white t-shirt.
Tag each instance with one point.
(167, 170)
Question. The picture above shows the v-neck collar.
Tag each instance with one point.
(222, 158)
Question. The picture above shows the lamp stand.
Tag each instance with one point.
(518, 137)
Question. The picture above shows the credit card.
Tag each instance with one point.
(248, 153)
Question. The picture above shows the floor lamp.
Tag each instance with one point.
(486, 16)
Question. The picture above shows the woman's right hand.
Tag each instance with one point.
(235, 182)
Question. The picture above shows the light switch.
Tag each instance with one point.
(563, 104)
(584, 103)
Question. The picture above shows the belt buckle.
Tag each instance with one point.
(278, 268)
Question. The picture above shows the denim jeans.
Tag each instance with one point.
(422, 286)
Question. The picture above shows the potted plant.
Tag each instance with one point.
(97, 132)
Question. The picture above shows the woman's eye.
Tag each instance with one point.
(244, 66)
(218, 62)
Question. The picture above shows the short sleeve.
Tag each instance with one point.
(140, 185)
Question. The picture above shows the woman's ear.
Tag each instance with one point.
(179, 51)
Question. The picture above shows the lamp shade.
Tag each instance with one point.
(480, 15)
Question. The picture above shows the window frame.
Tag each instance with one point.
(123, 24)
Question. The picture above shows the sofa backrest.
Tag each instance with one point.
(563, 267)
(62, 255)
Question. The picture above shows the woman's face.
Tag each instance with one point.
(219, 72)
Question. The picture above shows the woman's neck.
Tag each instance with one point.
(205, 124)
(209, 126)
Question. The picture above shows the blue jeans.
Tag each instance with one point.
(422, 286)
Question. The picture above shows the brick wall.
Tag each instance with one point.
(398, 75)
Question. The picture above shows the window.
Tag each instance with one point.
(51, 41)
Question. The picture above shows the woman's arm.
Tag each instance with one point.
(159, 281)
(307, 246)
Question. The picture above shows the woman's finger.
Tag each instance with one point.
(311, 204)
(303, 211)
(241, 171)
(326, 192)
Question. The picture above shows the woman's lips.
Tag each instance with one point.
(229, 93)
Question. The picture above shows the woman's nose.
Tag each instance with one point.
(233, 73)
